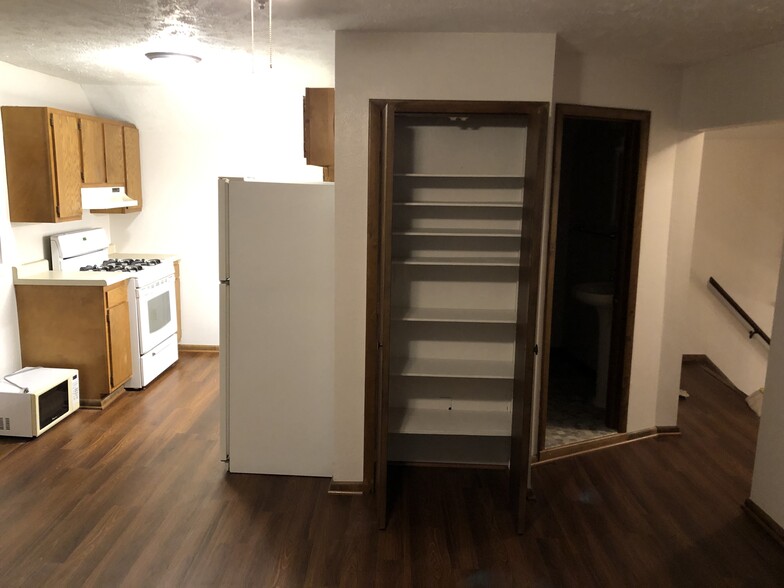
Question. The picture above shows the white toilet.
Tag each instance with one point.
(599, 295)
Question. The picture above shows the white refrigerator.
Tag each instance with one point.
(276, 326)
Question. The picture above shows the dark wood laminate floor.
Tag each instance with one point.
(136, 496)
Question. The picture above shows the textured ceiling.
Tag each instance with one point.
(103, 41)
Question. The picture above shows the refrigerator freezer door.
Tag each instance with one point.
(281, 328)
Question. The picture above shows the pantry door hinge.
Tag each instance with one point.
(536, 349)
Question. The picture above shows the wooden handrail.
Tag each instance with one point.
(755, 328)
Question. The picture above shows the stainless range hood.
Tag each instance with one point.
(104, 197)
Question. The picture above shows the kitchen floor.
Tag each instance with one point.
(136, 496)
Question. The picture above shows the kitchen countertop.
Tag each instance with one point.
(37, 273)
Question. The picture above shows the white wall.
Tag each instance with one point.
(688, 163)
(738, 90)
(193, 130)
(767, 484)
(24, 242)
(622, 83)
(453, 66)
(744, 88)
(738, 240)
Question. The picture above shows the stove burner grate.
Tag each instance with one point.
(121, 265)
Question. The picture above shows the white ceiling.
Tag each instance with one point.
(103, 41)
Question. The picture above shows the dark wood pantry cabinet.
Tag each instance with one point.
(454, 242)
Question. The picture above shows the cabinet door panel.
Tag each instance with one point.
(133, 167)
(320, 126)
(115, 155)
(119, 330)
(67, 160)
(93, 152)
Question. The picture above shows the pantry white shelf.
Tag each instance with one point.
(454, 315)
(452, 368)
(424, 421)
(453, 204)
(461, 261)
(503, 233)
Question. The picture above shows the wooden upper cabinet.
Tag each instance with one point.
(65, 138)
(43, 164)
(51, 154)
(115, 153)
(133, 167)
(93, 151)
(131, 170)
(319, 128)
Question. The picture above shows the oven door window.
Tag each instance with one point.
(159, 312)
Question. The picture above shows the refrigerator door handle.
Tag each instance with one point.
(224, 269)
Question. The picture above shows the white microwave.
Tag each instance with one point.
(33, 400)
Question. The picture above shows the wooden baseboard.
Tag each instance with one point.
(763, 519)
(92, 404)
(343, 488)
(447, 464)
(548, 455)
(198, 348)
(668, 430)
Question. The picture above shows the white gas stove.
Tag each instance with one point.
(151, 298)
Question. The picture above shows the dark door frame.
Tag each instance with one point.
(377, 317)
(622, 337)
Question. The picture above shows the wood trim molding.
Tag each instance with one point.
(537, 111)
(572, 449)
(764, 520)
(198, 348)
(347, 488)
(623, 334)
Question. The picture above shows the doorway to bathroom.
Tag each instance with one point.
(591, 287)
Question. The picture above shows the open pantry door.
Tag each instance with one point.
(526, 348)
(384, 117)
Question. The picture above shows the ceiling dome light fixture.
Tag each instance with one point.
(173, 57)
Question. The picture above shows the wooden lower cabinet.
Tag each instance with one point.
(82, 327)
